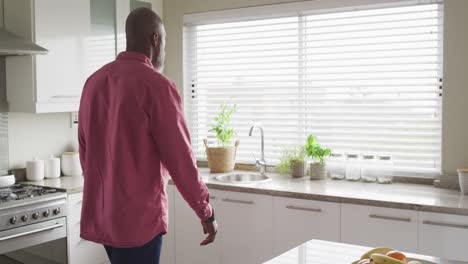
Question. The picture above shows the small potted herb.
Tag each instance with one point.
(222, 157)
(293, 160)
(317, 153)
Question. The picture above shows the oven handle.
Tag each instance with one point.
(31, 232)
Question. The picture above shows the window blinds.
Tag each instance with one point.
(365, 81)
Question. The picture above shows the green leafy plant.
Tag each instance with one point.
(289, 156)
(222, 126)
(315, 151)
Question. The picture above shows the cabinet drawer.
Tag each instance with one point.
(74, 204)
(297, 221)
(443, 235)
(377, 226)
(82, 251)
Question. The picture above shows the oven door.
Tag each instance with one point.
(30, 235)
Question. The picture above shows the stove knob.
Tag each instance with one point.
(24, 218)
(35, 216)
(56, 211)
(14, 220)
(46, 213)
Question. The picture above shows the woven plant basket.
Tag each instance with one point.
(221, 159)
(318, 171)
(298, 169)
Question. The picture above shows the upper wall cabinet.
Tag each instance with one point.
(51, 82)
(81, 37)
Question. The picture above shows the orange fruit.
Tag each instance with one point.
(397, 255)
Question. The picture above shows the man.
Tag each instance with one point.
(132, 136)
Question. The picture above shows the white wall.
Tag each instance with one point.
(455, 123)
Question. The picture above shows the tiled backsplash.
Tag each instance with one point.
(3, 143)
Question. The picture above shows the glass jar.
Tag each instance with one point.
(353, 167)
(386, 169)
(336, 166)
(368, 168)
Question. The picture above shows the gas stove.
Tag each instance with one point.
(21, 192)
(31, 215)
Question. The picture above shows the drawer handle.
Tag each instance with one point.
(401, 219)
(292, 207)
(237, 201)
(445, 225)
(212, 197)
(40, 230)
(65, 96)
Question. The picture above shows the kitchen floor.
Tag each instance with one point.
(7, 260)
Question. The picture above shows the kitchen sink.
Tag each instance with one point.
(242, 178)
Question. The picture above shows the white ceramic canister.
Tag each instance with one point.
(71, 165)
(463, 179)
(35, 170)
(52, 167)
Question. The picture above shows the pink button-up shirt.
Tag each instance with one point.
(132, 136)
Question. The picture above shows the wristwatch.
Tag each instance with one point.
(212, 218)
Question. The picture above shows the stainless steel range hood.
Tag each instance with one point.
(12, 45)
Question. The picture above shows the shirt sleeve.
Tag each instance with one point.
(172, 139)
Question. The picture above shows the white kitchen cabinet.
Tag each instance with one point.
(168, 248)
(377, 226)
(79, 250)
(246, 227)
(443, 235)
(189, 234)
(51, 82)
(296, 221)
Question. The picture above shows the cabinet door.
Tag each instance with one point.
(63, 27)
(168, 248)
(246, 226)
(296, 221)
(189, 234)
(443, 235)
(101, 44)
(79, 250)
(377, 226)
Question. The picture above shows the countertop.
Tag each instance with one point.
(397, 195)
(322, 252)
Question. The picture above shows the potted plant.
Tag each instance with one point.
(222, 158)
(318, 154)
(293, 160)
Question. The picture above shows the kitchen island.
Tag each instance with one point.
(323, 252)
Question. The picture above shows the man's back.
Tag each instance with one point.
(132, 134)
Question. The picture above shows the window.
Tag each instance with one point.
(363, 79)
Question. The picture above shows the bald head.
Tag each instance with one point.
(145, 34)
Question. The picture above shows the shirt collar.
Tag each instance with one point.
(133, 55)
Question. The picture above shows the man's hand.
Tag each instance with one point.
(211, 229)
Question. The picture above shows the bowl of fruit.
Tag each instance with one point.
(385, 255)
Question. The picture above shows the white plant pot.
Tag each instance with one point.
(318, 171)
(298, 169)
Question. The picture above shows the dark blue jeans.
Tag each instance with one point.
(149, 253)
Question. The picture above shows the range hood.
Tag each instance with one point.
(12, 45)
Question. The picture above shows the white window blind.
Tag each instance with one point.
(367, 80)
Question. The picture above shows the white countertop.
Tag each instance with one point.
(323, 252)
(397, 195)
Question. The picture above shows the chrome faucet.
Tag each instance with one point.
(260, 164)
